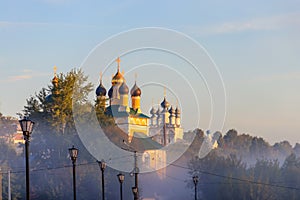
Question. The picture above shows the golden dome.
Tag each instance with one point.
(118, 77)
(55, 79)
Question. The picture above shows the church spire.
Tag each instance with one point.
(55, 79)
(118, 60)
(101, 77)
(100, 91)
(135, 77)
(118, 78)
(54, 69)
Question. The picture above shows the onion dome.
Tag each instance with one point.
(117, 78)
(164, 103)
(55, 81)
(153, 111)
(100, 91)
(110, 91)
(135, 91)
(123, 88)
(172, 110)
(158, 112)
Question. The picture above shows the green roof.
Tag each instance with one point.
(114, 111)
(140, 142)
(144, 142)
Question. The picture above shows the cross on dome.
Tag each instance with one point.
(118, 60)
(101, 76)
(135, 76)
(54, 69)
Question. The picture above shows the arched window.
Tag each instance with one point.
(146, 158)
(171, 136)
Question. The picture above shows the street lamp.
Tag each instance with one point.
(135, 193)
(195, 180)
(121, 180)
(27, 127)
(136, 170)
(102, 166)
(136, 173)
(73, 155)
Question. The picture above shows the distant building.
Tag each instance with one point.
(163, 126)
(11, 133)
(18, 138)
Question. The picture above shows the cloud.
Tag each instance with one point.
(12, 24)
(19, 77)
(278, 22)
(5, 24)
(56, 1)
(26, 74)
(269, 23)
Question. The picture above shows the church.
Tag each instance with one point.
(163, 125)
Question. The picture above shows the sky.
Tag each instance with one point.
(255, 46)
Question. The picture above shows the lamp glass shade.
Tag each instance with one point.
(73, 153)
(195, 179)
(26, 125)
(121, 177)
(102, 164)
(134, 190)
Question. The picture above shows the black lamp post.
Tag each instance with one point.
(27, 127)
(195, 180)
(121, 180)
(73, 155)
(135, 193)
(102, 166)
(135, 171)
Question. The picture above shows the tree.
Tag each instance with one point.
(52, 110)
(8, 125)
(264, 171)
(282, 149)
(8, 161)
(259, 149)
(213, 170)
(290, 175)
(55, 104)
(297, 149)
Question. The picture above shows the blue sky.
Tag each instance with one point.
(255, 45)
